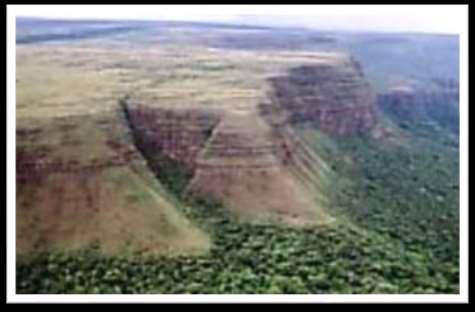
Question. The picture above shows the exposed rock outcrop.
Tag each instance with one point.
(336, 99)
(251, 159)
(418, 106)
(176, 134)
(241, 166)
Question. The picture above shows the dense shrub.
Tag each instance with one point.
(397, 207)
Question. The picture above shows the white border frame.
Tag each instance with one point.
(462, 297)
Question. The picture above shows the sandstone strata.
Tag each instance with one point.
(250, 159)
(335, 99)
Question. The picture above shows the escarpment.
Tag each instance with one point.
(68, 199)
(241, 167)
(251, 159)
(335, 99)
(441, 106)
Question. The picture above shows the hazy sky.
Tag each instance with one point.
(417, 18)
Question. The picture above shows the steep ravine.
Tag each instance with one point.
(169, 140)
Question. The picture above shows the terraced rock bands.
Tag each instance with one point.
(336, 99)
(250, 159)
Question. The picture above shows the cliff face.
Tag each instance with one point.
(251, 159)
(334, 99)
(176, 134)
(81, 182)
(242, 166)
(37, 158)
(419, 106)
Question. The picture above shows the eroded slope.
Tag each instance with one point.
(80, 180)
(195, 120)
(248, 157)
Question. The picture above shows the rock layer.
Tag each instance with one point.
(417, 106)
(250, 159)
(241, 166)
(335, 99)
(176, 134)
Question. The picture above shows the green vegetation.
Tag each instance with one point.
(395, 203)
(404, 197)
(410, 196)
(397, 232)
(248, 259)
(171, 174)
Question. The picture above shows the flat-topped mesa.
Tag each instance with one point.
(334, 98)
(250, 159)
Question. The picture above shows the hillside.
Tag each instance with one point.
(80, 179)
(160, 158)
